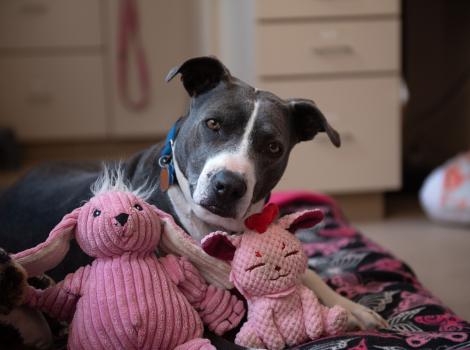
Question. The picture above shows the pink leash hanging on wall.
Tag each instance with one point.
(130, 42)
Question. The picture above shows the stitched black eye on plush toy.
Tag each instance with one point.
(291, 253)
(96, 213)
(251, 268)
(138, 207)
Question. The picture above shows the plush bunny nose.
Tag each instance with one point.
(277, 268)
(122, 218)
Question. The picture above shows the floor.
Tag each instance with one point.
(440, 255)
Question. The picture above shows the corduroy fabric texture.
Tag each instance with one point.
(128, 298)
(266, 269)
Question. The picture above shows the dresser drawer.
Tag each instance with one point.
(366, 113)
(278, 9)
(327, 47)
(49, 23)
(52, 97)
(167, 101)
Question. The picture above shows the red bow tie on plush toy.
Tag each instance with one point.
(260, 222)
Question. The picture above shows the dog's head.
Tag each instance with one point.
(233, 145)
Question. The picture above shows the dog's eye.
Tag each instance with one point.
(274, 148)
(96, 213)
(213, 124)
(138, 207)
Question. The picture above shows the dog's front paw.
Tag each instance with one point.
(12, 283)
(361, 317)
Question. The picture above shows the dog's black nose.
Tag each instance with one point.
(228, 185)
(122, 218)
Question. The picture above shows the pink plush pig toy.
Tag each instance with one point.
(267, 264)
(127, 298)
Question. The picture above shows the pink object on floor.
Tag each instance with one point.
(267, 264)
(445, 194)
(127, 298)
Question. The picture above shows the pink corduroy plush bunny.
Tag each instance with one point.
(267, 263)
(127, 298)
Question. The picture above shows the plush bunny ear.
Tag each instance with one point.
(175, 240)
(303, 219)
(220, 245)
(47, 255)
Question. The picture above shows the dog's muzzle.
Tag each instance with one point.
(224, 190)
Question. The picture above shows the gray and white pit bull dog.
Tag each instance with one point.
(230, 150)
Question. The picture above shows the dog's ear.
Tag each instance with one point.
(308, 120)
(200, 74)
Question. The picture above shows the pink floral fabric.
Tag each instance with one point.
(366, 273)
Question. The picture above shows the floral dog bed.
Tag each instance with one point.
(368, 274)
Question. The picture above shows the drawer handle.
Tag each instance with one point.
(345, 50)
(34, 8)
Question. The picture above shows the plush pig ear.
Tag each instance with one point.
(303, 219)
(220, 245)
(175, 240)
(47, 255)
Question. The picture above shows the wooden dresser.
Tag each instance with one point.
(58, 68)
(51, 64)
(343, 54)
(58, 88)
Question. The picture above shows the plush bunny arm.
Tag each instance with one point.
(312, 312)
(219, 310)
(60, 300)
(186, 277)
(266, 328)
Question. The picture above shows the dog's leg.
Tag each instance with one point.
(359, 316)
(29, 324)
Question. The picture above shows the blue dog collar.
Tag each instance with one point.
(165, 161)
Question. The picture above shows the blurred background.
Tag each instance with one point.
(84, 79)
